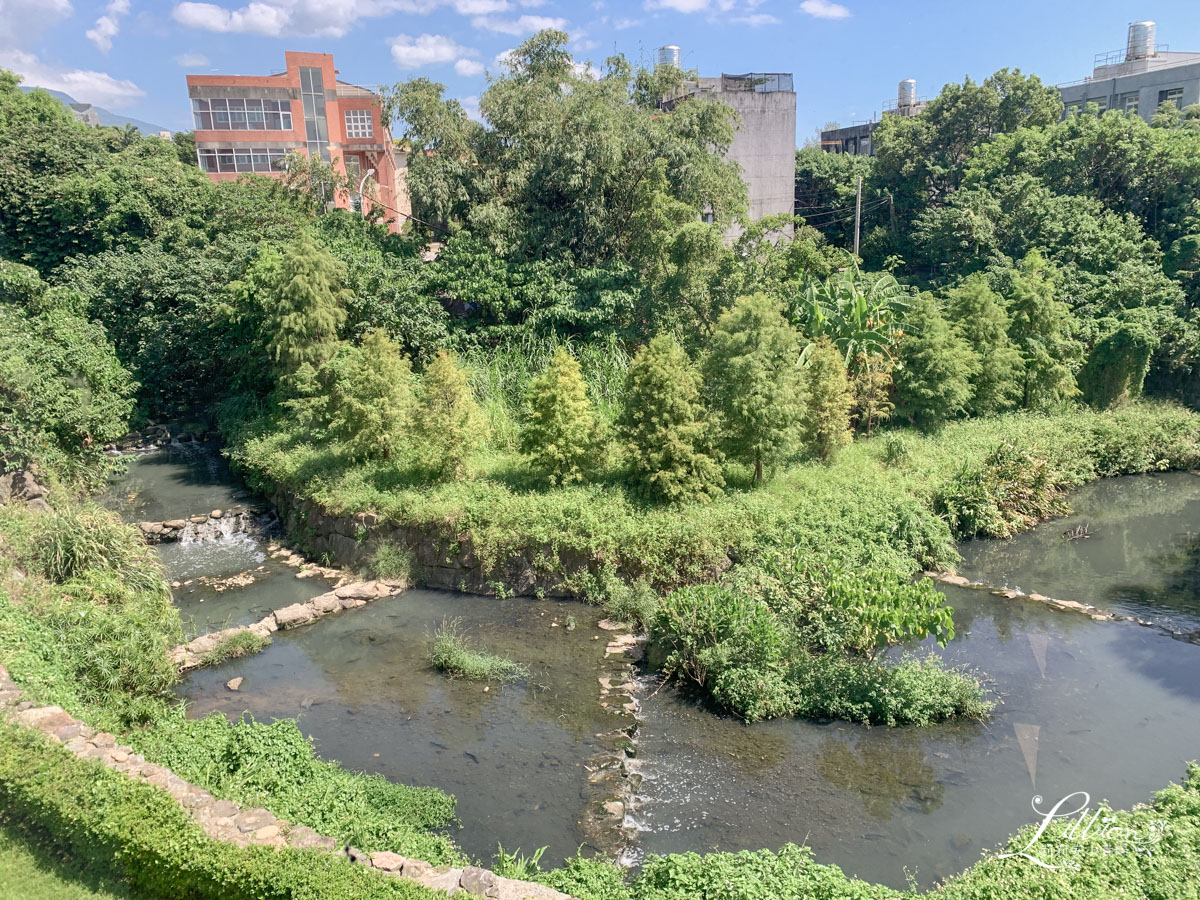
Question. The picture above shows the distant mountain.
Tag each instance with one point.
(106, 117)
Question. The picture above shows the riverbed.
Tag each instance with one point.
(1111, 708)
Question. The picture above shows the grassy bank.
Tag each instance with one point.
(811, 571)
(86, 622)
(874, 506)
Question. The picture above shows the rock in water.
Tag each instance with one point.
(234, 683)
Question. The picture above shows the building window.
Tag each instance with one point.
(263, 160)
(316, 127)
(707, 217)
(1072, 108)
(1101, 103)
(1174, 95)
(242, 115)
(1129, 102)
(358, 123)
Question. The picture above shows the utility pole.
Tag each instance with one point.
(857, 214)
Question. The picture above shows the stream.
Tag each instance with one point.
(1111, 708)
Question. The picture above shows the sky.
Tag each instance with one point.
(846, 55)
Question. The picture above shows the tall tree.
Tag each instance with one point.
(449, 423)
(827, 415)
(752, 376)
(561, 433)
(370, 397)
(979, 318)
(305, 307)
(1041, 328)
(664, 426)
(933, 383)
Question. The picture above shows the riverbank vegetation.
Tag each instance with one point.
(749, 447)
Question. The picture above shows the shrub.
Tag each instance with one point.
(391, 562)
(450, 654)
(560, 434)
(1012, 489)
(274, 766)
(370, 397)
(933, 383)
(139, 835)
(664, 426)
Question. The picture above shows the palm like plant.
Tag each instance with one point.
(861, 315)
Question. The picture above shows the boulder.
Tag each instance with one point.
(294, 615)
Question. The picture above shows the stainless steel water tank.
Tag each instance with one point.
(907, 94)
(1141, 40)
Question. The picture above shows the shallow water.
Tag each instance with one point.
(513, 755)
(1108, 708)
(1115, 708)
(1142, 557)
(172, 483)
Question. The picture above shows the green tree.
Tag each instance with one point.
(561, 433)
(978, 315)
(448, 421)
(933, 383)
(827, 416)
(663, 424)
(370, 397)
(1041, 328)
(752, 376)
(305, 307)
(1116, 368)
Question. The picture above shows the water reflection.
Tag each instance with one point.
(1140, 558)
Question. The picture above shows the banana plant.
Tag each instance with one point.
(860, 314)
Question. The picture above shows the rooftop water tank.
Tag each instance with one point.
(1141, 41)
(669, 56)
(907, 95)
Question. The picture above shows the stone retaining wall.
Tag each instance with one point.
(223, 820)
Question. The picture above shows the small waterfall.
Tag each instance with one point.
(215, 529)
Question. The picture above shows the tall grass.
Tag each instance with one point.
(451, 654)
(500, 376)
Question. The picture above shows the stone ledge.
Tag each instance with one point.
(223, 820)
(350, 596)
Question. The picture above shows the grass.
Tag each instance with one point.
(874, 506)
(31, 872)
(451, 654)
(241, 643)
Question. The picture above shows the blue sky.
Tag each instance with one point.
(846, 55)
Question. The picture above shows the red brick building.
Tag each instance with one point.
(248, 123)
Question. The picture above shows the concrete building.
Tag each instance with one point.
(858, 139)
(1138, 78)
(764, 145)
(85, 113)
(248, 124)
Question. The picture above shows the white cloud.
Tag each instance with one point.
(622, 24)
(502, 59)
(755, 19)
(191, 60)
(468, 67)
(586, 70)
(520, 25)
(84, 85)
(107, 26)
(257, 18)
(23, 20)
(824, 9)
(481, 7)
(428, 49)
(683, 6)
